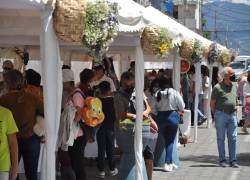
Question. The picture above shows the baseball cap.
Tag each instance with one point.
(68, 75)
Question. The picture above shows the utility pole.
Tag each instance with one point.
(215, 28)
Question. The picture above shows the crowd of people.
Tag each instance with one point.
(21, 105)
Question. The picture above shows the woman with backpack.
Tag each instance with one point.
(76, 152)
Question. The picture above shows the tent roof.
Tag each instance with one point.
(20, 22)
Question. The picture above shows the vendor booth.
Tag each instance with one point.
(29, 24)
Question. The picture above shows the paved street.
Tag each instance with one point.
(199, 161)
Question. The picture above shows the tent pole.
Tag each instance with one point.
(176, 71)
(139, 87)
(197, 91)
(209, 118)
(52, 91)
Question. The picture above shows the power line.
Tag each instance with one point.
(240, 30)
(228, 20)
(231, 10)
(226, 15)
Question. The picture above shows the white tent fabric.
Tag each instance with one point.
(139, 88)
(132, 17)
(52, 74)
(52, 77)
(156, 17)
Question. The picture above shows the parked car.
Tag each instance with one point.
(240, 65)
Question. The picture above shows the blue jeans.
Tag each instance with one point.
(29, 150)
(169, 122)
(226, 123)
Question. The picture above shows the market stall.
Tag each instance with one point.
(17, 15)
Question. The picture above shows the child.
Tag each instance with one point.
(8, 146)
(105, 134)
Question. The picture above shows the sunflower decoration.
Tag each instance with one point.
(197, 52)
(213, 53)
(157, 41)
(186, 49)
(165, 43)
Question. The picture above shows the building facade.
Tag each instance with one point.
(186, 12)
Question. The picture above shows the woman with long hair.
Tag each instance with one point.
(168, 103)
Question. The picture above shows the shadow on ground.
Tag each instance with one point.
(212, 161)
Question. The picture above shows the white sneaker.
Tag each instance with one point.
(174, 166)
(114, 172)
(168, 167)
(101, 175)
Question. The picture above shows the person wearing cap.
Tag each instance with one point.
(100, 76)
(68, 84)
(223, 106)
(7, 65)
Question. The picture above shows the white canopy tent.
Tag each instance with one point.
(30, 23)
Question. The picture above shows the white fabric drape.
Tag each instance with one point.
(197, 91)
(52, 81)
(176, 71)
(139, 86)
(209, 118)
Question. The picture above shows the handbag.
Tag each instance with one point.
(39, 127)
(153, 126)
(183, 139)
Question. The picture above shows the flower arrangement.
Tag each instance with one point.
(224, 57)
(205, 49)
(156, 40)
(197, 52)
(213, 53)
(165, 43)
(100, 26)
(186, 49)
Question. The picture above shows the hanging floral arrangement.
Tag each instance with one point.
(205, 49)
(157, 41)
(213, 53)
(224, 57)
(186, 49)
(233, 54)
(100, 27)
(197, 52)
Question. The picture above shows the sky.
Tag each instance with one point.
(232, 21)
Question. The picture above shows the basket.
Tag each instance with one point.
(69, 17)
(150, 39)
(205, 51)
(186, 49)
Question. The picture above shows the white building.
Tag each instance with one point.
(187, 12)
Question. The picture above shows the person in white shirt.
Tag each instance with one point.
(100, 76)
(168, 103)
